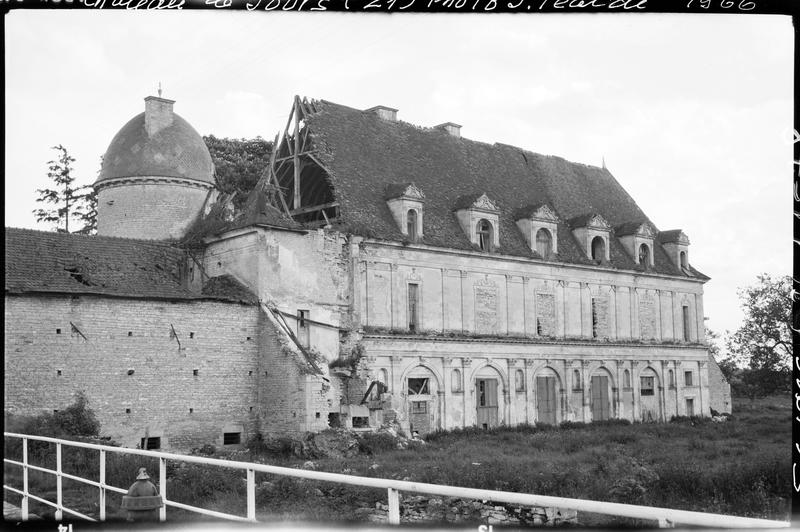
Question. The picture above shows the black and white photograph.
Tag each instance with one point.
(325, 270)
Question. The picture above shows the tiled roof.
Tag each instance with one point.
(628, 228)
(365, 154)
(49, 262)
(228, 288)
(672, 235)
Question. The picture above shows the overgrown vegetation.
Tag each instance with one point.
(239, 163)
(735, 467)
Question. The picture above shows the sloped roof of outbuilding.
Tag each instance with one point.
(365, 154)
(64, 263)
(177, 150)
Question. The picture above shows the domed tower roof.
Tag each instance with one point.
(157, 143)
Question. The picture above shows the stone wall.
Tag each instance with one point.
(720, 396)
(229, 374)
(149, 210)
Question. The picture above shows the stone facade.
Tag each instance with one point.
(222, 370)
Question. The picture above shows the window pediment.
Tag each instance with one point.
(479, 219)
(404, 191)
(539, 224)
(405, 202)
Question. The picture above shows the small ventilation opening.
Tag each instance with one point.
(150, 443)
(191, 335)
(231, 438)
(191, 410)
(195, 372)
(58, 372)
(127, 410)
(360, 422)
(58, 331)
(130, 333)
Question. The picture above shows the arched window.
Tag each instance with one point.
(455, 380)
(411, 224)
(383, 376)
(644, 255)
(576, 380)
(519, 381)
(684, 262)
(671, 379)
(544, 243)
(598, 249)
(485, 240)
(626, 379)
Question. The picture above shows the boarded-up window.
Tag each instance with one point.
(576, 380)
(413, 307)
(647, 317)
(647, 386)
(545, 314)
(419, 407)
(455, 380)
(687, 378)
(671, 379)
(303, 329)
(686, 329)
(626, 379)
(519, 381)
(418, 386)
(690, 407)
(599, 317)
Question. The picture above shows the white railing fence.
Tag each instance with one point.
(665, 517)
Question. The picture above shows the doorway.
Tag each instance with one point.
(601, 406)
(487, 402)
(546, 400)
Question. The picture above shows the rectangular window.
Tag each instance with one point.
(690, 407)
(360, 422)
(687, 378)
(231, 438)
(418, 386)
(419, 407)
(413, 307)
(647, 387)
(149, 444)
(686, 330)
(303, 328)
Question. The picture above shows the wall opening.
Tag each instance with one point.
(231, 438)
(413, 307)
(303, 327)
(484, 231)
(150, 443)
(544, 243)
(598, 249)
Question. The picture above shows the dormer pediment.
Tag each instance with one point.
(675, 236)
(637, 239)
(590, 221)
(477, 202)
(592, 232)
(638, 229)
(542, 213)
(676, 244)
(404, 191)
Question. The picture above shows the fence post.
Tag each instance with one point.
(59, 494)
(102, 485)
(162, 487)
(394, 507)
(24, 508)
(251, 495)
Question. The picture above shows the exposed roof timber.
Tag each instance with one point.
(303, 210)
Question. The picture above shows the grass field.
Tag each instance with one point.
(739, 467)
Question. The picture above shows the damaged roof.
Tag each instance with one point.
(367, 156)
(65, 263)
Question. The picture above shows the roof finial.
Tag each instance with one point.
(159, 89)
(604, 163)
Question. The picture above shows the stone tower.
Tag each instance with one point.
(156, 176)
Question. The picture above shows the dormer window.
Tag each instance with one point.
(637, 238)
(592, 231)
(479, 219)
(411, 224)
(544, 243)
(539, 224)
(598, 249)
(405, 202)
(644, 255)
(676, 244)
(484, 231)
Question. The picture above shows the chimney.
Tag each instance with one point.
(387, 113)
(450, 127)
(157, 114)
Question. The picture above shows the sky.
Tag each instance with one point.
(691, 113)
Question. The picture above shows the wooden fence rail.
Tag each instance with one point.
(665, 517)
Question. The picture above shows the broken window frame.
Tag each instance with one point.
(421, 386)
(647, 385)
(419, 407)
(688, 378)
(544, 243)
(411, 224)
(303, 327)
(484, 231)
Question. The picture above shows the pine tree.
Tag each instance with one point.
(65, 199)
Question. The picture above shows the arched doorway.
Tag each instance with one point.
(650, 402)
(488, 401)
(600, 393)
(547, 390)
(421, 388)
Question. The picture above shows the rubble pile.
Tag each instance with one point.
(422, 509)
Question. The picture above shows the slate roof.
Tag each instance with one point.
(63, 263)
(365, 154)
(628, 228)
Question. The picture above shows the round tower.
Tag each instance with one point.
(155, 178)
